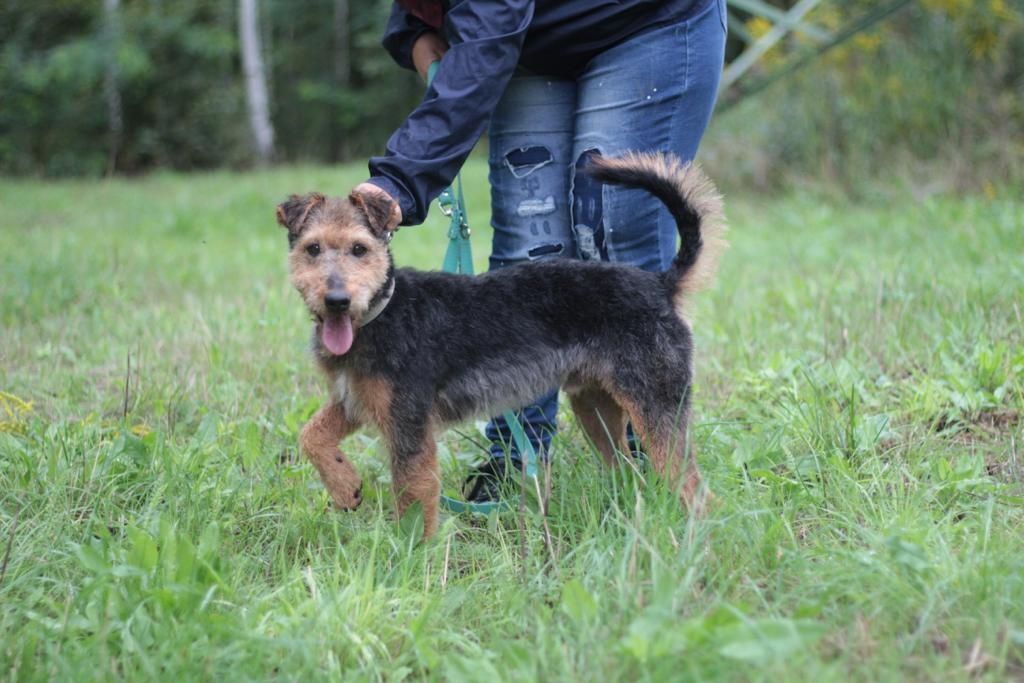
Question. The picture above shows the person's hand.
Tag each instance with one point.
(427, 49)
(385, 208)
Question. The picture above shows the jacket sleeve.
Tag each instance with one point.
(400, 35)
(423, 156)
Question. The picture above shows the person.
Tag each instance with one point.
(555, 82)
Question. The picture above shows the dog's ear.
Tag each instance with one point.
(381, 211)
(293, 214)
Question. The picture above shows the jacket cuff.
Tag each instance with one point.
(400, 195)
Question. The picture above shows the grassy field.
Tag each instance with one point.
(858, 413)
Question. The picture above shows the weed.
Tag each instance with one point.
(858, 394)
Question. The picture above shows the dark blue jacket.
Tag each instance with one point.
(489, 40)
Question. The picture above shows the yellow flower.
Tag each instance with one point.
(141, 429)
(984, 44)
(1000, 9)
(867, 42)
(758, 26)
(829, 17)
(893, 85)
(952, 8)
(13, 412)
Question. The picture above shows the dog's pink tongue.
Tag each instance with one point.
(337, 334)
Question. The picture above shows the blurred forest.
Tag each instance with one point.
(174, 72)
(90, 87)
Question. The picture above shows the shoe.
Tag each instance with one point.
(485, 483)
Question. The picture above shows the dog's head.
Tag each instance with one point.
(340, 261)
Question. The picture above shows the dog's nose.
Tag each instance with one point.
(337, 301)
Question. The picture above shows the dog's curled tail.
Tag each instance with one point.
(692, 200)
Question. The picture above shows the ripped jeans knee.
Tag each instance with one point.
(523, 161)
(530, 212)
(587, 211)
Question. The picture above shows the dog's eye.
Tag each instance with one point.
(313, 249)
(358, 249)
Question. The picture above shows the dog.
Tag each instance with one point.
(409, 352)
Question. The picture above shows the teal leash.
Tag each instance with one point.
(459, 256)
(459, 259)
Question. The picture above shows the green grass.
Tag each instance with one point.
(858, 413)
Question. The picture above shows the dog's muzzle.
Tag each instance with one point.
(337, 301)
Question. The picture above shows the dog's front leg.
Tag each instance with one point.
(319, 441)
(415, 476)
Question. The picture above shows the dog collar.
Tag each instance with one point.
(379, 307)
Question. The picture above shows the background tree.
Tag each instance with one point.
(255, 79)
(177, 73)
(111, 88)
(342, 64)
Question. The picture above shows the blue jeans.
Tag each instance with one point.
(653, 92)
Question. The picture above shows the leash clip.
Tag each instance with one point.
(446, 202)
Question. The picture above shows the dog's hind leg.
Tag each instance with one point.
(319, 441)
(602, 420)
(663, 431)
(673, 460)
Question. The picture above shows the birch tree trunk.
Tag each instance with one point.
(111, 88)
(342, 77)
(255, 80)
(342, 63)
